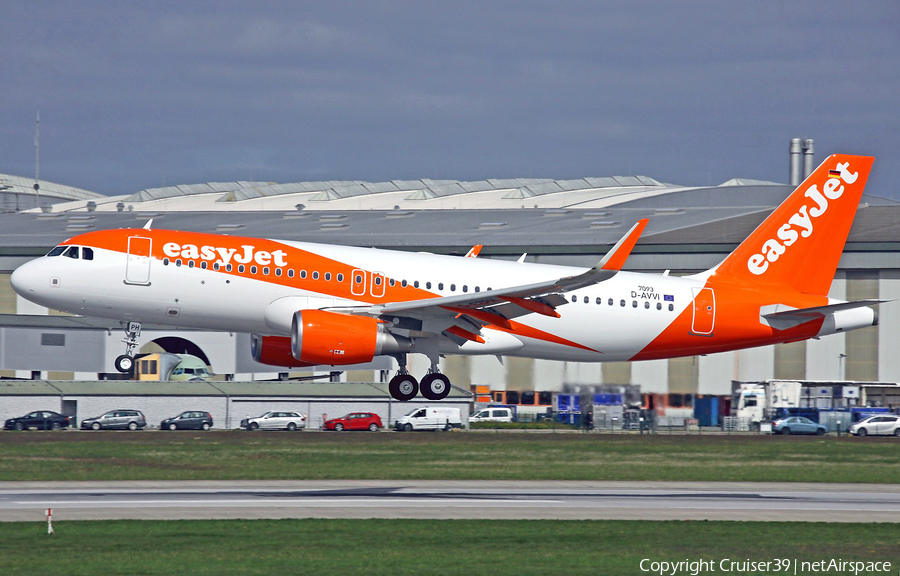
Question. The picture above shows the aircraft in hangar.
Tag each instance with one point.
(318, 304)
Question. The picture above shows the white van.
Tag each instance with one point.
(498, 414)
(429, 418)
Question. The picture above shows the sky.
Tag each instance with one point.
(135, 95)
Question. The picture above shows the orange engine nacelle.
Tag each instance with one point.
(320, 337)
(274, 351)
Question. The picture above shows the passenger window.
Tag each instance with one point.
(416, 284)
(328, 276)
(253, 269)
(190, 262)
(634, 303)
(622, 303)
(586, 299)
(87, 253)
(658, 306)
(72, 252)
(647, 305)
(671, 307)
(453, 287)
(465, 288)
(428, 285)
(574, 298)
(403, 283)
(340, 277)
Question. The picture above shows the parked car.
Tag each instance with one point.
(355, 421)
(429, 418)
(886, 424)
(276, 421)
(188, 421)
(116, 419)
(797, 425)
(492, 415)
(42, 420)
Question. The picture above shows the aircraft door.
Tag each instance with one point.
(358, 283)
(704, 312)
(377, 289)
(137, 266)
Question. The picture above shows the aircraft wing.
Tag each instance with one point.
(497, 307)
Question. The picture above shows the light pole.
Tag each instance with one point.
(841, 366)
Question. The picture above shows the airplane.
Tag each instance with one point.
(319, 304)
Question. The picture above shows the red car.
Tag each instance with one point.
(355, 421)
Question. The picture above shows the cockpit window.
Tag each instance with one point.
(72, 252)
(87, 253)
(56, 251)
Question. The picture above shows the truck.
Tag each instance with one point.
(429, 418)
(755, 402)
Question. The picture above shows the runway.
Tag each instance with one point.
(27, 501)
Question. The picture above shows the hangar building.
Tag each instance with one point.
(571, 222)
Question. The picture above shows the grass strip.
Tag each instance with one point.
(470, 547)
(229, 455)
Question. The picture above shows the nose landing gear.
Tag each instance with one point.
(125, 362)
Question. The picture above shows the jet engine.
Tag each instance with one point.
(321, 337)
(274, 350)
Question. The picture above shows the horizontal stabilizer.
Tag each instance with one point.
(782, 317)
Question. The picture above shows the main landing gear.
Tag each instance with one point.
(125, 362)
(404, 387)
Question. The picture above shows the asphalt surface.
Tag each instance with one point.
(28, 501)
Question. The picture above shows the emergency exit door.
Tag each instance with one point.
(137, 267)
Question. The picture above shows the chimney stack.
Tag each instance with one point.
(808, 165)
(796, 151)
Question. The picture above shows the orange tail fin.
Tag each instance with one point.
(800, 243)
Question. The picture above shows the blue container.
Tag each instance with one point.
(706, 410)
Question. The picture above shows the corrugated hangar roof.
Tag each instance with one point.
(10, 184)
(450, 231)
(423, 194)
(539, 215)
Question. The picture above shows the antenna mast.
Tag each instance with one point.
(37, 161)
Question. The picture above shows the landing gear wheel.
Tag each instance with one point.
(124, 363)
(403, 387)
(435, 386)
